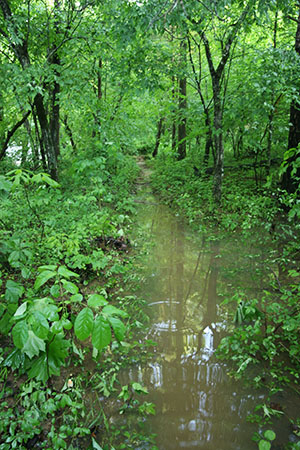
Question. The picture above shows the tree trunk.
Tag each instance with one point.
(288, 182)
(218, 141)
(99, 83)
(174, 128)
(158, 136)
(11, 133)
(46, 136)
(271, 115)
(20, 49)
(182, 106)
(208, 138)
(39, 138)
(55, 106)
(69, 133)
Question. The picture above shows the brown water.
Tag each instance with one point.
(187, 277)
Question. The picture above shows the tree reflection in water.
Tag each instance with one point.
(198, 406)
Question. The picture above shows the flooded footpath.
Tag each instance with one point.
(187, 276)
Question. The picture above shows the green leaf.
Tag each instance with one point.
(67, 324)
(70, 287)
(76, 298)
(51, 267)
(95, 445)
(5, 324)
(39, 324)
(47, 308)
(5, 185)
(49, 180)
(39, 369)
(55, 291)
(34, 345)
(101, 336)
(57, 327)
(137, 387)
(66, 273)
(15, 359)
(96, 300)
(21, 310)
(83, 325)
(13, 291)
(57, 353)
(20, 334)
(264, 445)
(110, 310)
(43, 278)
(2, 309)
(118, 327)
(269, 434)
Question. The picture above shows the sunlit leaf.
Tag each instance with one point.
(43, 277)
(96, 300)
(34, 345)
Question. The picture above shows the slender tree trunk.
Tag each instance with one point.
(174, 127)
(69, 133)
(271, 115)
(288, 183)
(10, 134)
(158, 136)
(55, 106)
(46, 136)
(182, 107)
(39, 138)
(99, 81)
(208, 138)
(55, 113)
(218, 141)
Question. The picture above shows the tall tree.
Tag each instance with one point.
(289, 182)
(17, 40)
(217, 71)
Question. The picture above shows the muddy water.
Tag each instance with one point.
(187, 277)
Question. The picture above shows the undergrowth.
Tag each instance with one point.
(67, 326)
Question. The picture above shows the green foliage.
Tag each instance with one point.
(23, 425)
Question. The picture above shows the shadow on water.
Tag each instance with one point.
(187, 276)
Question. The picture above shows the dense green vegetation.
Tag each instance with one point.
(208, 93)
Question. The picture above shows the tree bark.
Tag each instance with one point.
(69, 133)
(216, 80)
(158, 136)
(46, 136)
(174, 128)
(182, 107)
(288, 183)
(20, 50)
(55, 106)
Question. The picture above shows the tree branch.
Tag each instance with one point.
(11, 133)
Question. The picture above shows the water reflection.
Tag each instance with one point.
(197, 404)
